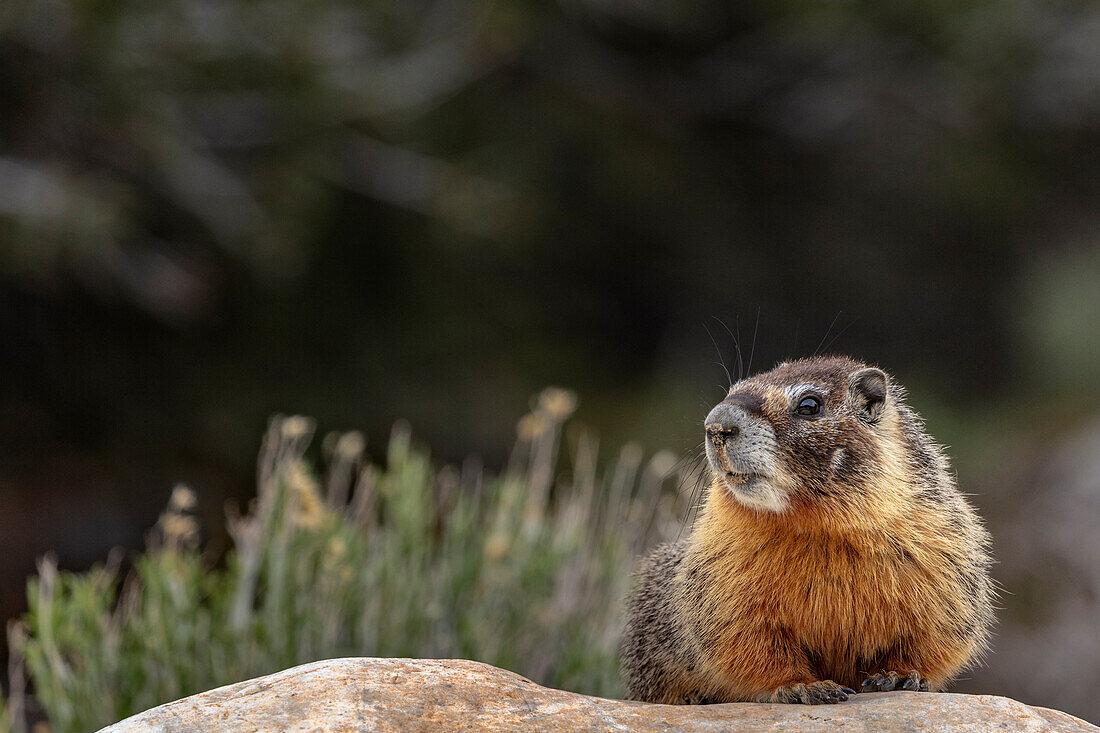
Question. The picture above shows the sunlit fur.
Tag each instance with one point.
(875, 564)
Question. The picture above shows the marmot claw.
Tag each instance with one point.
(823, 692)
(889, 681)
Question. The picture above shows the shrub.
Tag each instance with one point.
(524, 570)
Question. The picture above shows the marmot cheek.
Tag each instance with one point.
(837, 461)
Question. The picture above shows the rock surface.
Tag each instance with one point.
(364, 694)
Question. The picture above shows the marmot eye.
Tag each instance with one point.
(808, 407)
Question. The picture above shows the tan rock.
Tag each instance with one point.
(364, 694)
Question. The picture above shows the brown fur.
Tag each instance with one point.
(878, 564)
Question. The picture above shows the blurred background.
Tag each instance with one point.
(215, 210)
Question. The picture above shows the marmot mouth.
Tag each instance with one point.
(737, 479)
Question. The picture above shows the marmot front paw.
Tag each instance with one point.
(889, 681)
(813, 693)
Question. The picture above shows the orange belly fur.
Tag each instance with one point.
(809, 595)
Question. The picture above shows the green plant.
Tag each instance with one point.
(524, 570)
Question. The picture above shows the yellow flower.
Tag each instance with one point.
(350, 445)
(296, 426)
(531, 426)
(183, 499)
(558, 403)
(307, 510)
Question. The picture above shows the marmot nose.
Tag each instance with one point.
(722, 431)
(724, 423)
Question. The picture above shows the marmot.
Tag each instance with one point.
(833, 553)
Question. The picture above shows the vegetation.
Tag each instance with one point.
(524, 570)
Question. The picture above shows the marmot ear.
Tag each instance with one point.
(867, 389)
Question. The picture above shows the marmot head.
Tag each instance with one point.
(807, 429)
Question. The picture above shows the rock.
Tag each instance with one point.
(457, 695)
